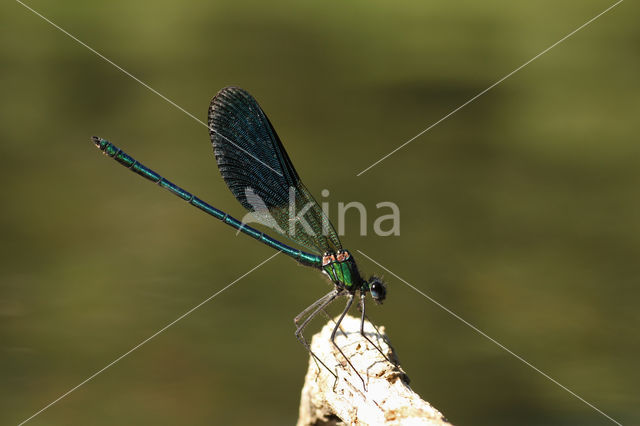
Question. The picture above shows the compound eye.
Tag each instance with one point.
(378, 290)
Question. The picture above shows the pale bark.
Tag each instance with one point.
(387, 400)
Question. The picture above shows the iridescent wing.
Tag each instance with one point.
(260, 174)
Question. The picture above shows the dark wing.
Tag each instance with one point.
(259, 173)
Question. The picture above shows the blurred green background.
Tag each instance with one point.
(520, 212)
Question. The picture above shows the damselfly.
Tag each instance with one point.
(259, 173)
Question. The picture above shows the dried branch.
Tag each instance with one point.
(388, 399)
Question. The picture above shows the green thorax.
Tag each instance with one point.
(342, 270)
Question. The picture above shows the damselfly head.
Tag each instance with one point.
(377, 288)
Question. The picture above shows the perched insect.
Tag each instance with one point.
(259, 173)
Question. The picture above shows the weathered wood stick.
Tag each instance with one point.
(387, 400)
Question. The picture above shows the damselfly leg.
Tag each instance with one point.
(316, 307)
(362, 318)
(333, 338)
